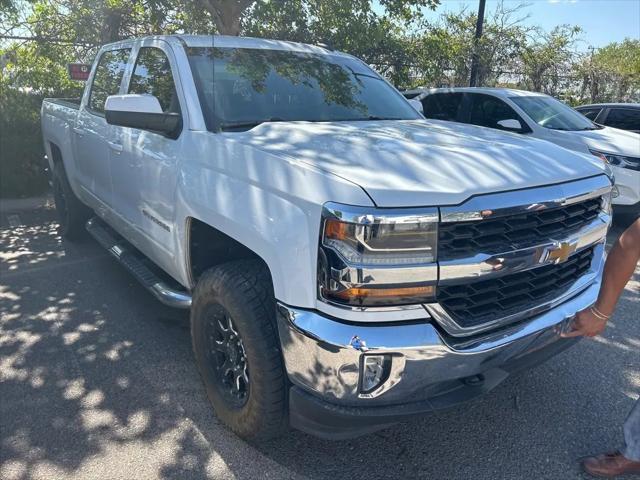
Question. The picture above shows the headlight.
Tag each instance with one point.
(622, 161)
(377, 257)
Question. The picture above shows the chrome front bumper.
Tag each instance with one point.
(322, 358)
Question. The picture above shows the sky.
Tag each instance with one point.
(602, 21)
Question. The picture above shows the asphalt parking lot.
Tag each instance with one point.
(97, 382)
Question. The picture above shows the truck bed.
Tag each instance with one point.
(58, 119)
(67, 102)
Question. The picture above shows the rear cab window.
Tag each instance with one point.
(107, 78)
(442, 106)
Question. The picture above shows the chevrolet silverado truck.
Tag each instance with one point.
(347, 264)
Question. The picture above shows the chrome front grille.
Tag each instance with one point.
(513, 232)
(508, 256)
(477, 303)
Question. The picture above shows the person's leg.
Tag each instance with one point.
(632, 434)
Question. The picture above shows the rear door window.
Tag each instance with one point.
(624, 118)
(152, 76)
(443, 106)
(107, 78)
(487, 111)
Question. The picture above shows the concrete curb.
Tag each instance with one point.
(22, 204)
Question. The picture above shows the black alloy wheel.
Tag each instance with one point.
(227, 356)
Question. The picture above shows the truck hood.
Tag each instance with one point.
(420, 162)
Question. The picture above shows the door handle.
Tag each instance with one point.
(116, 147)
(78, 131)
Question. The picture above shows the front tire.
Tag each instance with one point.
(72, 213)
(236, 347)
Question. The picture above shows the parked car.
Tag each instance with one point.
(625, 116)
(347, 264)
(541, 116)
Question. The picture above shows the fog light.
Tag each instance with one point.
(375, 370)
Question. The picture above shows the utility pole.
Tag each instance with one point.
(475, 59)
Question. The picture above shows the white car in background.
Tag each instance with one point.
(541, 116)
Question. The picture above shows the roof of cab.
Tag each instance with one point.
(224, 41)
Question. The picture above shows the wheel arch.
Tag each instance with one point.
(56, 154)
(208, 246)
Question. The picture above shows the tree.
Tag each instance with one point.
(227, 14)
(546, 60)
(375, 33)
(611, 73)
(233, 17)
(443, 50)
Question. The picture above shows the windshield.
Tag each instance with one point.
(240, 88)
(551, 113)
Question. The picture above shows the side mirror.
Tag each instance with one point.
(416, 104)
(143, 112)
(510, 124)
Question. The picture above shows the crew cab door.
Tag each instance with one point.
(93, 135)
(145, 171)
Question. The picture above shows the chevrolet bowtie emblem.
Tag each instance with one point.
(560, 252)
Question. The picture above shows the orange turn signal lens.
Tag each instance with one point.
(382, 293)
(336, 229)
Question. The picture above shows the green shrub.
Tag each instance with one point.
(21, 152)
(29, 72)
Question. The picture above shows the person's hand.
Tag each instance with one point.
(585, 324)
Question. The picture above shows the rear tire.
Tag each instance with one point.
(72, 213)
(237, 351)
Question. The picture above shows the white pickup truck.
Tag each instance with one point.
(347, 263)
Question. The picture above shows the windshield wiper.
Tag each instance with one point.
(369, 118)
(375, 117)
(248, 125)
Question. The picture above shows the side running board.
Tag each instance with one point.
(137, 265)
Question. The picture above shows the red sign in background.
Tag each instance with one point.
(79, 71)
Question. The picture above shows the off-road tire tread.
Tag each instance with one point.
(246, 285)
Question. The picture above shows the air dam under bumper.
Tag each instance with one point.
(428, 370)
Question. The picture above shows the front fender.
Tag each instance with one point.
(271, 205)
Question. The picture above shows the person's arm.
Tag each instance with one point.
(618, 269)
